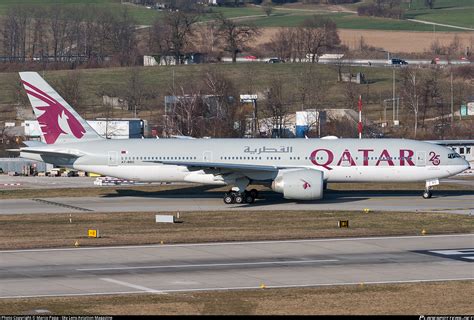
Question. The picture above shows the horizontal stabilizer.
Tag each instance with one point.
(34, 143)
(53, 153)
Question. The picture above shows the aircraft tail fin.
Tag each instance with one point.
(58, 121)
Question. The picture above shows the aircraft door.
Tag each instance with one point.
(113, 158)
(207, 156)
(421, 158)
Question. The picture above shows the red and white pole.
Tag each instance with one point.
(359, 125)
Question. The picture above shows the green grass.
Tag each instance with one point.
(141, 14)
(261, 75)
(346, 21)
(457, 17)
(440, 4)
(455, 12)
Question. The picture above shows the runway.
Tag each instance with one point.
(197, 199)
(160, 269)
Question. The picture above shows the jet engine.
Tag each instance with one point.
(299, 184)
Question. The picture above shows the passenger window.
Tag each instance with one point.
(461, 150)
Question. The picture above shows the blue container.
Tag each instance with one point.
(301, 131)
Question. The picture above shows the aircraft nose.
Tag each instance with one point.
(467, 164)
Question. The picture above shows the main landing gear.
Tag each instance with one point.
(240, 197)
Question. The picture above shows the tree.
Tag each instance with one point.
(172, 33)
(235, 36)
(430, 3)
(410, 92)
(224, 111)
(267, 8)
(310, 89)
(70, 88)
(319, 34)
(123, 38)
(282, 43)
(136, 92)
(276, 109)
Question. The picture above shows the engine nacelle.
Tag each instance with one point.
(299, 184)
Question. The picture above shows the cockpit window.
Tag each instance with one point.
(453, 155)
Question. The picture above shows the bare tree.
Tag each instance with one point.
(319, 34)
(235, 36)
(267, 7)
(276, 105)
(224, 111)
(171, 35)
(123, 37)
(310, 89)
(410, 92)
(70, 88)
(283, 42)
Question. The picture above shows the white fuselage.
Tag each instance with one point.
(210, 161)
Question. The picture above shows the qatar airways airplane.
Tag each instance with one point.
(297, 168)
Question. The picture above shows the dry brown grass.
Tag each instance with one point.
(55, 230)
(417, 298)
(393, 41)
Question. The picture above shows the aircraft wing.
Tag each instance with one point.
(221, 165)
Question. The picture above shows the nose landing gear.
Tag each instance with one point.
(239, 197)
(429, 184)
(427, 194)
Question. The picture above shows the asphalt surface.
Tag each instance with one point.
(197, 199)
(224, 266)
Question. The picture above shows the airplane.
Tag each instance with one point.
(297, 168)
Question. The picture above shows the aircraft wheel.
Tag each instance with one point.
(248, 197)
(229, 198)
(238, 198)
(254, 193)
(427, 194)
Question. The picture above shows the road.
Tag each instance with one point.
(160, 269)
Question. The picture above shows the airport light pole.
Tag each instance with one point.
(393, 94)
(452, 98)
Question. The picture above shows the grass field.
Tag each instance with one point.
(416, 298)
(440, 4)
(462, 17)
(345, 21)
(283, 17)
(256, 75)
(56, 230)
(454, 12)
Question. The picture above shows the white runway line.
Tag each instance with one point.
(131, 285)
(209, 265)
(211, 244)
(234, 288)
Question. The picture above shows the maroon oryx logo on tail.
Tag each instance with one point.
(306, 184)
(53, 112)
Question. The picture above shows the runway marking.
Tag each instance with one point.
(209, 265)
(58, 204)
(238, 243)
(235, 288)
(466, 255)
(131, 285)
